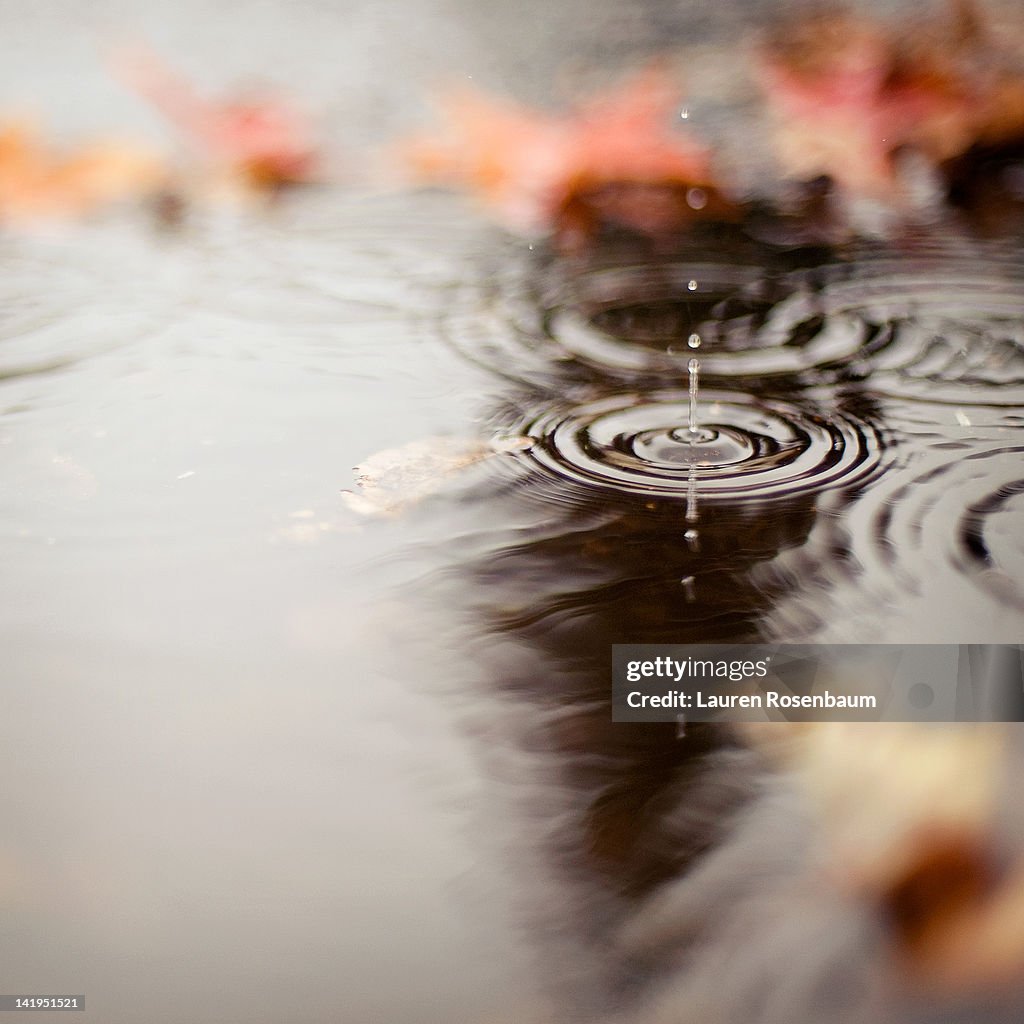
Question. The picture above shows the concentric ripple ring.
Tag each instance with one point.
(744, 448)
(642, 323)
(940, 327)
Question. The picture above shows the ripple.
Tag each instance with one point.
(964, 515)
(326, 258)
(945, 328)
(945, 324)
(62, 303)
(744, 449)
(990, 540)
(641, 323)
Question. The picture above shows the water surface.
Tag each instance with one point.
(269, 757)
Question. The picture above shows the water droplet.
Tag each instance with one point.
(688, 588)
(685, 113)
(693, 341)
(693, 368)
(692, 285)
(696, 198)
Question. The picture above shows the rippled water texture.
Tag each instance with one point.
(885, 382)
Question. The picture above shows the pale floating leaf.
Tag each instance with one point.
(392, 480)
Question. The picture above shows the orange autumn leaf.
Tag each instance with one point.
(262, 138)
(531, 166)
(850, 93)
(36, 182)
(507, 154)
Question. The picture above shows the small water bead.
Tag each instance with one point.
(691, 285)
(693, 341)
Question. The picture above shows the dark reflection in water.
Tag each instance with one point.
(694, 866)
(652, 802)
(805, 375)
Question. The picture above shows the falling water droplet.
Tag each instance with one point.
(691, 285)
(692, 538)
(693, 368)
(688, 588)
(693, 341)
(692, 515)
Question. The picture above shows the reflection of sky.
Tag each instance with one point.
(214, 793)
(218, 804)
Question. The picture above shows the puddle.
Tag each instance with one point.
(263, 744)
